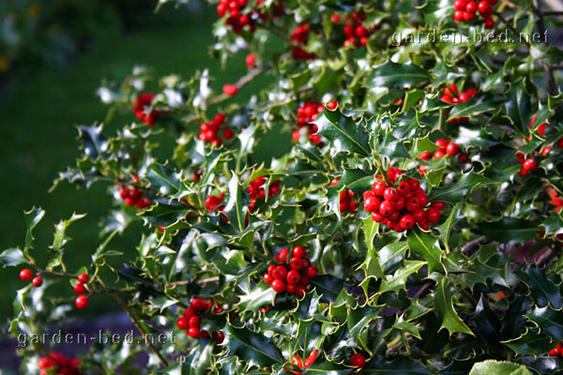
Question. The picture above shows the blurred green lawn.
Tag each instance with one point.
(39, 135)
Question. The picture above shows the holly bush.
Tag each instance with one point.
(390, 202)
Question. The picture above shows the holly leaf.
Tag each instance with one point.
(12, 257)
(253, 348)
(425, 244)
(509, 230)
(518, 107)
(457, 192)
(391, 74)
(542, 289)
(548, 320)
(342, 132)
(443, 301)
(32, 218)
(235, 205)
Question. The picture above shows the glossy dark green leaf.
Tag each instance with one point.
(342, 132)
(235, 205)
(444, 303)
(253, 348)
(509, 230)
(391, 74)
(456, 192)
(426, 245)
(12, 257)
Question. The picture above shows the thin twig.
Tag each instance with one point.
(200, 282)
(140, 328)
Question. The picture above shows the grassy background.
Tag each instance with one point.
(39, 136)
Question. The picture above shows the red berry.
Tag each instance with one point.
(296, 263)
(560, 143)
(81, 302)
(182, 323)
(425, 155)
(407, 221)
(332, 105)
(251, 61)
(282, 255)
(268, 278)
(460, 4)
(79, 288)
(335, 18)
(462, 158)
(312, 271)
(371, 204)
(553, 353)
(458, 17)
(386, 208)
(293, 277)
(412, 204)
(484, 7)
(432, 215)
(26, 274)
(280, 272)
(422, 169)
(529, 165)
(299, 251)
(358, 360)
(194, 321)
(441, 142)
(301, 291)
(390, 194)
(228, 134)
(452, 149)
(471, 7)
(468, 16)
(439, 153)
(230, 89)
(439, 205)
(83, 278)
(278, 286)
(378, 188)
(194, 332)
(37, 281)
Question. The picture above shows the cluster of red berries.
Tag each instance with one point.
(133, 196)
(209, 131)
(446, 148)
(300, 36)
(466, 10)
(528, 164)
(256, 190)
(213, 202)
(26, 275)
(142, 102)
(541, 131)
(356, 33)
(452, 96)
(306, 114)
(558, 351)
(400, 209)
(236, 19)
(293, 276)
(58, 364)
(191, 320)
(347, 204)
(79, 288)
